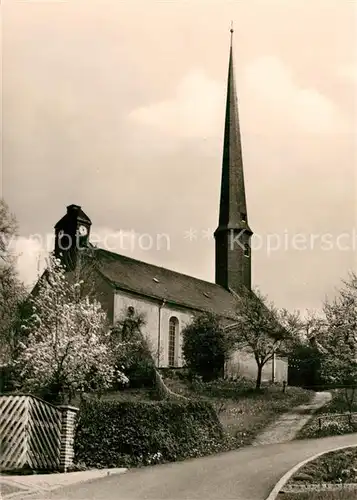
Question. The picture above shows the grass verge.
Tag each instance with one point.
(331, 424)
(334, 467)
(319, 495)
(243, 411)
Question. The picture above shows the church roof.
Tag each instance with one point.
(160, 283)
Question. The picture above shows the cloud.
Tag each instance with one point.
(305, 108)
(348, 72)
(32, 253)
(130, 242)
(194, 111)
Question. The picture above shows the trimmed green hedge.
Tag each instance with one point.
(122, 434)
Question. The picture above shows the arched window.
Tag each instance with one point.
(173, 332)
(246, 250)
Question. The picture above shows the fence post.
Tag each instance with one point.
(320, 425)
(67, 436)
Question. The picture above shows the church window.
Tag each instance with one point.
(173, 330)
(243, 217)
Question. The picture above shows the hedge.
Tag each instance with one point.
(130, 433)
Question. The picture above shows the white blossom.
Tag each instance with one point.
(66, 340)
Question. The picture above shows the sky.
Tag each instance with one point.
(118, 106)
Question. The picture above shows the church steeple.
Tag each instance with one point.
(233, 256)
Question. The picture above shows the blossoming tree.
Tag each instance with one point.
(339, 341)
(66, 349)
(263, 330)
(12, 291)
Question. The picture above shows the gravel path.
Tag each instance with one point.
(288, 425)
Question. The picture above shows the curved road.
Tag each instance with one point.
(246, 474)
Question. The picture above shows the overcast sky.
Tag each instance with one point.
(118, 106)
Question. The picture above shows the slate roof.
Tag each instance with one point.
(160, 283)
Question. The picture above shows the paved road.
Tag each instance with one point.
(247, 474)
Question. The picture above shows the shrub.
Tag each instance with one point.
(132, 349)
(113, 434)
(222, 388)
(330, 427)
(305, 366)
(181, 374)
(141, 372)
(7, 379)
(205, 346)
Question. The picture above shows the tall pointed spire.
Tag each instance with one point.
(233, 260)
(233, 202)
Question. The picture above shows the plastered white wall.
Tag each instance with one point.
(152, 309)
(240, 364)
(243, 364)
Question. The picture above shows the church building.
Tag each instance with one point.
(170, 299)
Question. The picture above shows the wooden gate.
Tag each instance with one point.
(30, 433)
